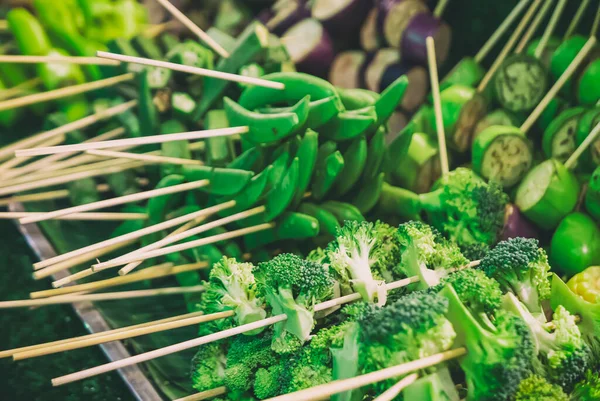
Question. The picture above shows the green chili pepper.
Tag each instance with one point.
(29, 34)
(355, 158)
(267, 128)
(547, 193)
(147, 110)
(342, 211)
(398, 148)
(307, 155)
(366, 199)
(223, 181)
(592, 196)
(328, 223)
(327, 174)
(575, 245)
(375, 155)
(320, 111)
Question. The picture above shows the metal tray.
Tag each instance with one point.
(134, 378)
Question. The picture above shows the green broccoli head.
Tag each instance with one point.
(475, 251)
(536, 388)
(208, 367)
(465, 208)
(352, 256)
(478, 292)
(588, 388)
(411, 328)
(386, 254)
(498, 358)
(292, 285)
(521, 267)
(267, 382)
(232, 286)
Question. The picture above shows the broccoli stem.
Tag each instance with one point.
(399, 202)
(431, 201)
(246, 313)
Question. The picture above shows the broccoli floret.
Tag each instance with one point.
(387, 255)
(245, 356)
(478, 292)
(536, 388)
(559, 345)
(521, 267)
(497, 358)
(475, 251)
(426, 254)
(587, 389)
(267, 382)
(352, 256)
(208, 367)
(411, 328)
(232, 286)
(465, 208)
(317, 255)
(293, 286)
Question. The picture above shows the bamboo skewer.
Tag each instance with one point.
(325, 390)
(501, 30)
(56, 59)
(121, 200)
(156, 328)
(533, 27)
(184, 246)
(109, 296)
(20, 89)
(145, 157)
(210, 338)
(50, 195)
(136, 234)
(8, 151)
(397, 388)
(560, 6)
(180, 236)
(64, 92)
(145, 140)
(576, 19)
(509, 45)
(584, 145)
(175, 12)
(535, 114)
(440, 8)
(161, 270)
(52, 159)
(14, 351)
(204, 395)
(14, 162)
(226, 76)
(108, 216)
(3, 25)
(437, 104)
(594, 31)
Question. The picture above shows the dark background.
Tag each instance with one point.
(473, 21)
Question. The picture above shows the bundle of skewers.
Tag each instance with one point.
(282, 163)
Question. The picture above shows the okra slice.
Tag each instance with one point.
(547, 194)
(520, 83)
(503, 154)
(420, 167)
(218, 149)
(267, 128)
(591, 157)
(183, 105)
(559, 140)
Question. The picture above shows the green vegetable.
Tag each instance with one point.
(521, 267)
(366, 199)
(436, 386)
(307, 157)
(575, 244)
(418, 170)
(183, 105)
(326, 174)
(327, 221)
(223, 181)
(559, 138)
(148, 113)
(591, 156)
(520, 83)
(547, 193)
(343, 211)
(29, 34)
(587, 389)
(592, 196)
(536, 388)
(208, 367)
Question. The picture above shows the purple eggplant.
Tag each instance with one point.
(516, 225)
(346, 70)
(386, 66)
(309, 47)
(413, 41)
(341, 18)
(284, 14)
(370, 39)
(394, 16)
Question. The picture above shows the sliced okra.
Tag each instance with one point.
(559, 140)
(223, 181)
(267, 128)
(520, 83)
(343, 211)
(253, 70)
(182, 105)
(503, 154)
(355, 158)
(366, 199)
(327, 174)
(328, 223)
(218, 149)
(191, 53)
